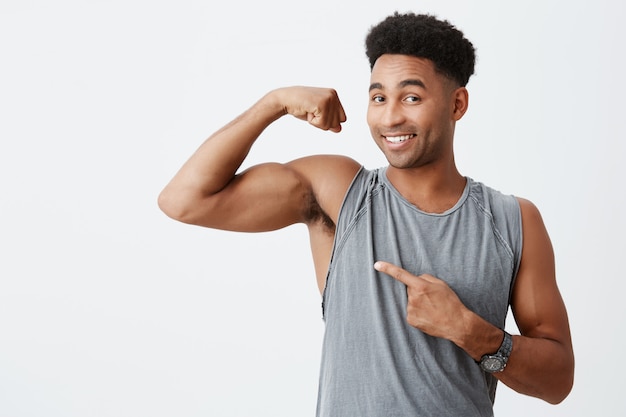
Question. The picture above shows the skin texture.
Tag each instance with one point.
(411, 100)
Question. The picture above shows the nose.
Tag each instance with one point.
(392, 114)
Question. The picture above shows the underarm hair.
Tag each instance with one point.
(315, 214)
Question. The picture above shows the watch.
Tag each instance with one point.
(497, 361)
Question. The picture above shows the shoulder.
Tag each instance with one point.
(537, 261)
(326, 173)
(536, 237)
(503, 211)
(503, 208)
(488, 196)
(529, 210)
(318, 166)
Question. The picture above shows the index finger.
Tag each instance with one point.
(330, 120)
(394, 271)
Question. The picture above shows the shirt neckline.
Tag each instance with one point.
(383, 178)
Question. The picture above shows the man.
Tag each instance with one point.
(417, 264)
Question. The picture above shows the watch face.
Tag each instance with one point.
(492, 364)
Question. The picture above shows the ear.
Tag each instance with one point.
(460, 98)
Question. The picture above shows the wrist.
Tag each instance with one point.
(271, 105)
(479, 336)
(496, 362)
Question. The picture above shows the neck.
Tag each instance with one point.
(430, 188)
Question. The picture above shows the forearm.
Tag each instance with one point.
(216, 161)
(538, 366)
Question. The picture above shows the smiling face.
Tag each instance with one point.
(412, 111)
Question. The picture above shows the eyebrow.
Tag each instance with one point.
(402, 84)
(417, 83)
(376, 86)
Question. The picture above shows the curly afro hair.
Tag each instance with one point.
(423, 36)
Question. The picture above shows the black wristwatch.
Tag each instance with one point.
(497, 361)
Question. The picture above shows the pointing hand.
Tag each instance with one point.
(433, 307)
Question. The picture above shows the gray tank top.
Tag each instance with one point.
(373, 363)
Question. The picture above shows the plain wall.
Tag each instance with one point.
(108, 308)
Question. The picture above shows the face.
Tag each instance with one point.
(412, 111)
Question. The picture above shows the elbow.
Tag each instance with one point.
(562, 387)
(174, 206)
(563, 390)
(167, 205)
(558, 397)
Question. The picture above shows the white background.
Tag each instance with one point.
(109, 308)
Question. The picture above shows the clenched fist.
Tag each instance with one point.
(318, 106)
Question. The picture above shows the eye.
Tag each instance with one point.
(413, 99)
(378, 99)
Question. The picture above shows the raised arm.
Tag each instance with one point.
(207, 190)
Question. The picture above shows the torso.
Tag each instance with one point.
(370, 354)
(329, 177)
(321, 238)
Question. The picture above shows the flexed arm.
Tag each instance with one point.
(206, 191)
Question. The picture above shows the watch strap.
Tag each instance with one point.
(506, 347)
(497, 362)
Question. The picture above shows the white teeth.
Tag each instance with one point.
(398, 139)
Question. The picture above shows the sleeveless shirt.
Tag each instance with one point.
(374, 364)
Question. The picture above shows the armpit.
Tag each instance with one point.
(315, 215)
